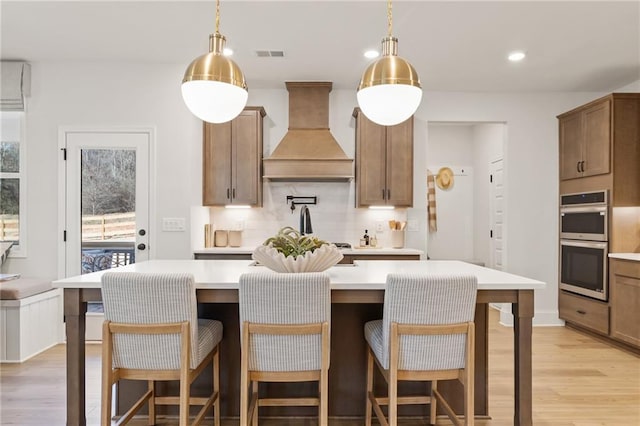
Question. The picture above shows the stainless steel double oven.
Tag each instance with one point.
(584, 243)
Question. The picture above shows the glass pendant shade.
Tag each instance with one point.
(389, 91)
(214, 88)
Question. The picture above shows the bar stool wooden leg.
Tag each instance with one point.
(434, 407)
(152, 402)
(367, 419)
(107, 376)
(216, 386)
(254, 394)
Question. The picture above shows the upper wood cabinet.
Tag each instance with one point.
(232, 160)
(384, 163)
(600, 148)
(585, 141)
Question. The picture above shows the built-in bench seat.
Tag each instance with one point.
(30, 318)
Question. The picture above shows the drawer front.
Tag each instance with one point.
(627, 268)
(584, 312)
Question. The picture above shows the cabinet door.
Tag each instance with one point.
(216, 164)
(400, 164)
(370, 162)
(597, 139)
(570, 146)
(246, 158)
(625, 301)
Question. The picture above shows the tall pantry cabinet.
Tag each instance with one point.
(599, 147)
(232, 160)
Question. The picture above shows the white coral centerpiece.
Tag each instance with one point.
(289, 251)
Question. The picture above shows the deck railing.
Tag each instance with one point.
(109, 226)
(9, 227)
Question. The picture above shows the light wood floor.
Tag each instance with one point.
(577, 381)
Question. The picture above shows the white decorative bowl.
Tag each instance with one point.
(319, 260)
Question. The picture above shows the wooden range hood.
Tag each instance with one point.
(308, 152)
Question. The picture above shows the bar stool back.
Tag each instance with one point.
(426, 334)
(284, 320)
(151, 332)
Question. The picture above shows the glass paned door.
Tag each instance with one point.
(107, 200)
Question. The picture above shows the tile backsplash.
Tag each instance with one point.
(334, 217)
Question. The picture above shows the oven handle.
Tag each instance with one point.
(587, 209)
(587, 244)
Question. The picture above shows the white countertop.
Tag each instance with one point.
(363, 275)
(625, 256)
(351, 251)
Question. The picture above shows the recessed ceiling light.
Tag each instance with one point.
(227, 51)
(516, 56)
(370, 54)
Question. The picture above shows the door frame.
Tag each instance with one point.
(63, 131)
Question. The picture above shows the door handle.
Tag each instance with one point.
(233, 193)
(228, 194)
(388, 194)
(581, 312)
(578, 166)
(383, 193)
(582, 166)
(141, 246)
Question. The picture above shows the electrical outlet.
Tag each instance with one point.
(173, 224)
(238, 225)
(379, 226)
(412, 225)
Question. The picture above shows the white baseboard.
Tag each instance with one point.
(546, 318)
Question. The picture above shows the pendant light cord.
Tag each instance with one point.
(217, 16)
(389, 19)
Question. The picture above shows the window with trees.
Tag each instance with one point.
(12, 182)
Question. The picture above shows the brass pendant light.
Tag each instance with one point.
(389, 91)
(213, 87)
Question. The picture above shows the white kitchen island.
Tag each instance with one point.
(357, 296)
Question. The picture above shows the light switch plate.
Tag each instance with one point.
(173, 224)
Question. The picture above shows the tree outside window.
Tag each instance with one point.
(12, 181)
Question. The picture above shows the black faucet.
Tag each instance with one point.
(305, 220)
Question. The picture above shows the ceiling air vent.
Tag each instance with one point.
(270, 53)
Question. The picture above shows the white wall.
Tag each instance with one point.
(451, 145)
(98, 94)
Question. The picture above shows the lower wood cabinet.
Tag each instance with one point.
(584, 312)
(624, 287)
(619, 319)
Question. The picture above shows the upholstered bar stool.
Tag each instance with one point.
(284, 321)
(151, 332)
(426, 334)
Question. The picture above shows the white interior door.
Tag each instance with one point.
(497, 214)
(106, 218)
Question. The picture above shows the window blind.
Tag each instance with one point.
(15, 85)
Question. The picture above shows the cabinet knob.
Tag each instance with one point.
(141, 246)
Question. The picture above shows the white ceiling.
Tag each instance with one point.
(455, 46)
